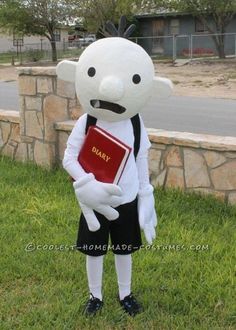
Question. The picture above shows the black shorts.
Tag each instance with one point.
(124, 233)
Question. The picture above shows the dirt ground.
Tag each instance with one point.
(204, 79)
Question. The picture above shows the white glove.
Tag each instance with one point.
(147, 213)
(97, 196)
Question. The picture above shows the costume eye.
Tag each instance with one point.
(136, 79)
(91, 71)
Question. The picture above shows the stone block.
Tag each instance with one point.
(15, 132)
(9, 116)
(224, 177)
(159, 146)
(73, 103)
(159, 180)
(22, 114)
(230, 155)
(62, 140)
(44, 85)
(67, 125)
(75, 113)
(154, 161)
(6, 130)
(196, 174)
(26, 139)
(34, 124)
(33, 103)
(30, 152)
(37, 71)
(173, 157)
(8, 150)
(22, 105)
(21, 152)
(27, 85)
(44, 154)
(220, 143)
(214, 159)
(13, 143)
(1, 140)
(160, 139)
(55, 109)
(65, 89)
(232, 198)
(186, 140)
(175, 178)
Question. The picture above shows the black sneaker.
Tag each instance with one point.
(130, 305)
(93, 306)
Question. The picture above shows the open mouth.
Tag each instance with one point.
(114, 107)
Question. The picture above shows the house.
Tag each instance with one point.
(167, 32)
(10, 42)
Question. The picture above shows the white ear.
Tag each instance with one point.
(162, 87)
(66, 70)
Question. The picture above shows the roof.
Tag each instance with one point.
(161, 14)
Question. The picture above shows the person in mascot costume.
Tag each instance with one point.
(114, 78)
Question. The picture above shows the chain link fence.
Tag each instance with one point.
(187, 46)
(169, 47)
(34, 52)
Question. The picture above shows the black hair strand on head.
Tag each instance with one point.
(122, 25)
(120, 32)
(111, 29)
(129, 31)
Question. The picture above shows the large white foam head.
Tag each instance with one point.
(114, 78)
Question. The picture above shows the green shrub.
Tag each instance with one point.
(34, 55)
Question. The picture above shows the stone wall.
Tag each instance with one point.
(48, 109)
(194, 162)
(191, 162)
(43, 100)
(10, 134)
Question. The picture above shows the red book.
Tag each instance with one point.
(103, 155)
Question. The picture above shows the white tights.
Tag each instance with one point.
(94, 266)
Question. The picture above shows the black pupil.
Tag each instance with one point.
(136, 78)
(91, 72)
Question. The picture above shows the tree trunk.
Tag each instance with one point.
(219, 40)
(54, 49)
(220, 45)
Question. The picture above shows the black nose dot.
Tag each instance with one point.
(91, 71)
(136, 78)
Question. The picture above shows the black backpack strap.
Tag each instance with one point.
(137, 133)
(91, 121)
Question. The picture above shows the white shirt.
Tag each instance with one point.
(122, 130)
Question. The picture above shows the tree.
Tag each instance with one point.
(221, 12)
(96, 13)
(41, 17)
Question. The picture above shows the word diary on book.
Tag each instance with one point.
(103, 155)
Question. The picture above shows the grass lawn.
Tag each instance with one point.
(191, 286)
(35, 55)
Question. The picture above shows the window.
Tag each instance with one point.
(174, 26)
(57, 35)
(200, 26)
